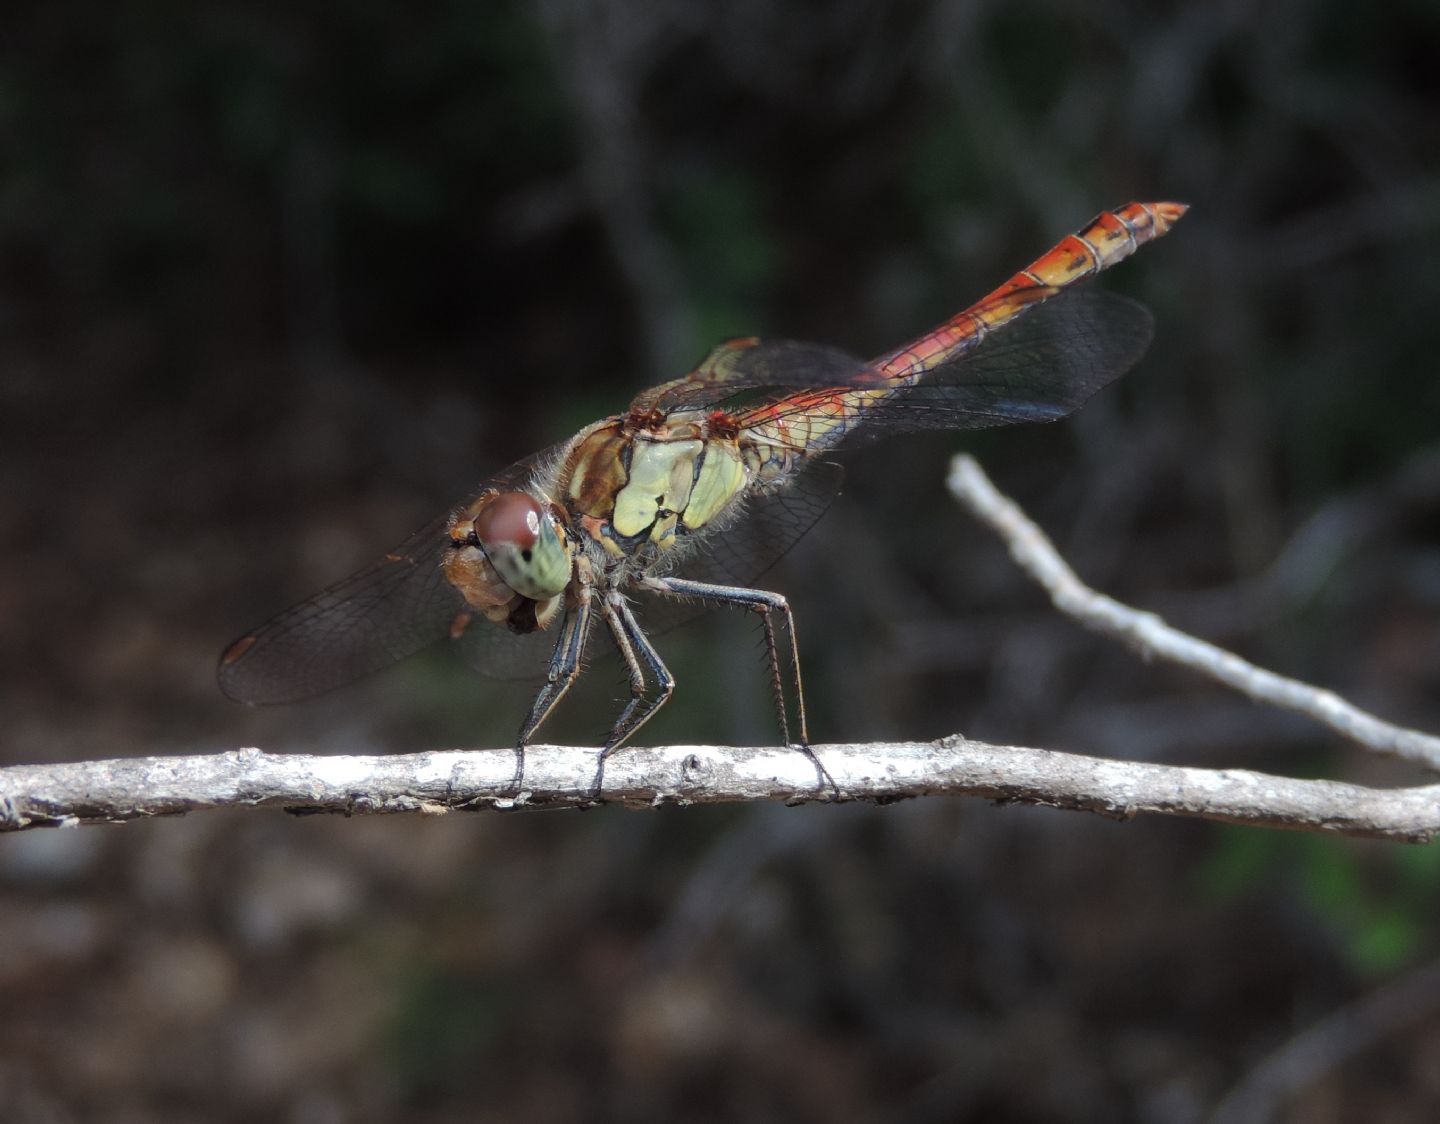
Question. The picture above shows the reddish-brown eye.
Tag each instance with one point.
(510, 519)
(524, 544)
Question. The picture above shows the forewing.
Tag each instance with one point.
(393, 608)
(741, 365)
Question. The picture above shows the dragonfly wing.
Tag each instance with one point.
(393, 608)
(746, 549)
(769, 526)
(497, 653)
(746, 364)
(1032, 350)
(1038, 368)
(1044, 367)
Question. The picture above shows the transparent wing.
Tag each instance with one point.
(389, 610)
(1037, 368)
(745, 364)
(743, 551)
(393, 608)
(497, 653)
(1040, 365)
(769, 526)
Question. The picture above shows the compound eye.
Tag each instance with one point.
(521, 541)
(511, 519)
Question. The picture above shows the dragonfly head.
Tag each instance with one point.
(520, 538)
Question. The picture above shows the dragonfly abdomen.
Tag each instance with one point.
(1111, 237)
(817, 420)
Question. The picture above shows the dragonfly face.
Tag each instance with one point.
(695, 490)
(509, 549)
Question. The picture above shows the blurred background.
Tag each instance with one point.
(278, 285)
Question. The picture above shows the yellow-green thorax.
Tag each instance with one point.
(628, 485)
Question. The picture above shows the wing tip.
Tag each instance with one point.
(235, 652)
(225, 673)
(238, 683)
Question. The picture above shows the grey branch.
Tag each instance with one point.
(1152, 637)
(558, 776)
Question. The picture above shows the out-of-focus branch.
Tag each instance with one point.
(1320, 1047)
(604, 52)
(559, 776)
(1152, 637)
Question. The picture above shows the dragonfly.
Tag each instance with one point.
(692, 493)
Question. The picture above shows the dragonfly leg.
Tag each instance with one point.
(635, 649)
(766, 604)
(777, 679)
(564, 670)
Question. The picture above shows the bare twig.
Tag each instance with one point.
(559, 776)
(1152, 637)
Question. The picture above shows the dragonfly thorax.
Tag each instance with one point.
(635, 490)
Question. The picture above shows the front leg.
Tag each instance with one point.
(563, 671)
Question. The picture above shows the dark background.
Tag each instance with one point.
(277, 287)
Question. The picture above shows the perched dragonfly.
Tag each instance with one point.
(694, 491)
